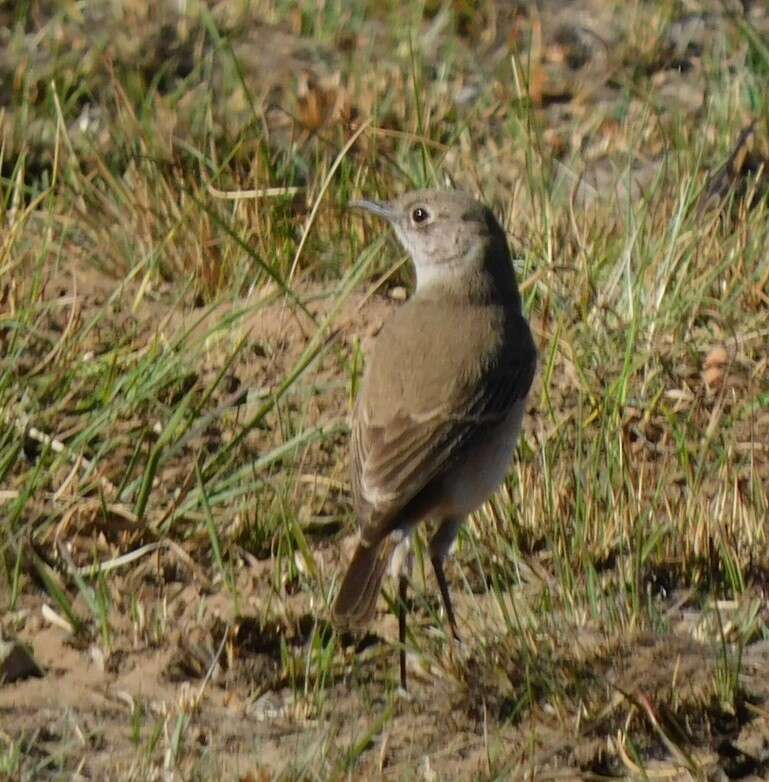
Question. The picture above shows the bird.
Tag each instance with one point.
(442, 398)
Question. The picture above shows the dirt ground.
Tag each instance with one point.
(224, 670)
(195, 663)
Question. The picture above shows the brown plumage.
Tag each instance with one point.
(442, 397)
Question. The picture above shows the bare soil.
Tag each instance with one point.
(221, 665)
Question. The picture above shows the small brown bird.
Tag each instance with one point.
(442, 398)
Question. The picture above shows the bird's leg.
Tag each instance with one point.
(402, 563)
(444, 587)
(440, 543)
(403, 585)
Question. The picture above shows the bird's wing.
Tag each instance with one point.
(394, 458)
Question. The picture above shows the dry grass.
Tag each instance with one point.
(184, 308)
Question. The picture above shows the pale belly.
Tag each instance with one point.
(471, 482)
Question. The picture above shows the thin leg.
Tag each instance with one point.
(403, 585)
(444, 587)
(439, 548)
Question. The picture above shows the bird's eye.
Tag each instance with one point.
(419, 215)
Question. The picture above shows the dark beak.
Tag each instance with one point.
(379, 208)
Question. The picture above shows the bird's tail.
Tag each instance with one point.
(355, 603)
